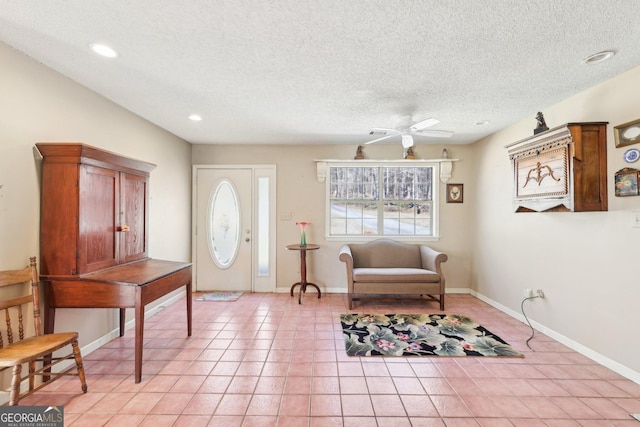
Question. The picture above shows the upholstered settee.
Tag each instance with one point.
(384, 267)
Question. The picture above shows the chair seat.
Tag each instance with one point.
(394, 275)
(38, 346)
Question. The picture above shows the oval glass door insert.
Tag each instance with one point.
(223, 225)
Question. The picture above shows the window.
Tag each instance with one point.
(374, 200)
(264, 199)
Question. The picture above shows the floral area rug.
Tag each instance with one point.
(419, 335)
(219, 296)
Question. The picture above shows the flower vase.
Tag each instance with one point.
(303, 233)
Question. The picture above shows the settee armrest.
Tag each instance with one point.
(431, 259)
(345, 256)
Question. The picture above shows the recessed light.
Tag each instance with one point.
(598, 57)
(482, 122)
(104, 50)
(195, 117)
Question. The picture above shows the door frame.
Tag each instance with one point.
(259, 282)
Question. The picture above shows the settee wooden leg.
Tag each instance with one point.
(441, 302)
(350, 303)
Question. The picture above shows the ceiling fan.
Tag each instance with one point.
(408, 130)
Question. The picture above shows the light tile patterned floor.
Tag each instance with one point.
(264, 360)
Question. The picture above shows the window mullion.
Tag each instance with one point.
(381, 193)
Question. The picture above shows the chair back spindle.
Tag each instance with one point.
(13, 308)
(35, 293)
(9, 328)
(36, 351)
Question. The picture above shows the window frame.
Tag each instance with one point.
(435, 200)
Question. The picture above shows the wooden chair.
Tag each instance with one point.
(36, 351)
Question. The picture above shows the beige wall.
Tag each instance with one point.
(300, 193)
(37, 105)
(585, 262)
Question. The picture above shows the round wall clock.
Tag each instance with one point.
(631, 155)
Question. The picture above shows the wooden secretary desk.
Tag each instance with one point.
(94, 237)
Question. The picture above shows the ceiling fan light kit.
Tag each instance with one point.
(407, 141)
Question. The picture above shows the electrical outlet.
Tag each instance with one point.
(540, 293)
(635, 219)
(528, 293)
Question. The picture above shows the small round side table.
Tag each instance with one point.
(303, 270)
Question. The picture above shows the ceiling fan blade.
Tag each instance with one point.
(383, 131)
(379, 139)
(424, 124)
(434, 133)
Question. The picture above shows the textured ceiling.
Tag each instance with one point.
(324, 72)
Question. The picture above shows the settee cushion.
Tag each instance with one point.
(394, 275)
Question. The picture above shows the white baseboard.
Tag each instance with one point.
(585, 351)
(574, 345)
(322, 289)
(591, 354)
(110, 336)
(457, 291)
(342, 290)
(92, 346)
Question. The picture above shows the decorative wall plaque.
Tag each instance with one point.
(541, 171)
(627, 133)
(455, 193)
(626, 181)
(563, 169)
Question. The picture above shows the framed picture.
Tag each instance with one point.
(627, 182)
(455, 193)
(627, 133)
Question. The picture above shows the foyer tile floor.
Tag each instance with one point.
(264, 360)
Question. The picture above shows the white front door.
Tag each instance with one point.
(234, 228)
(224, 234)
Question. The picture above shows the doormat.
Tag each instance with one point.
(420, 335)
(219, 296)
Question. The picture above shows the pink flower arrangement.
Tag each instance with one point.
(303, 233)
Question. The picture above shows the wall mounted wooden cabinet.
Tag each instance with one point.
(94, 211)
(562, 169)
